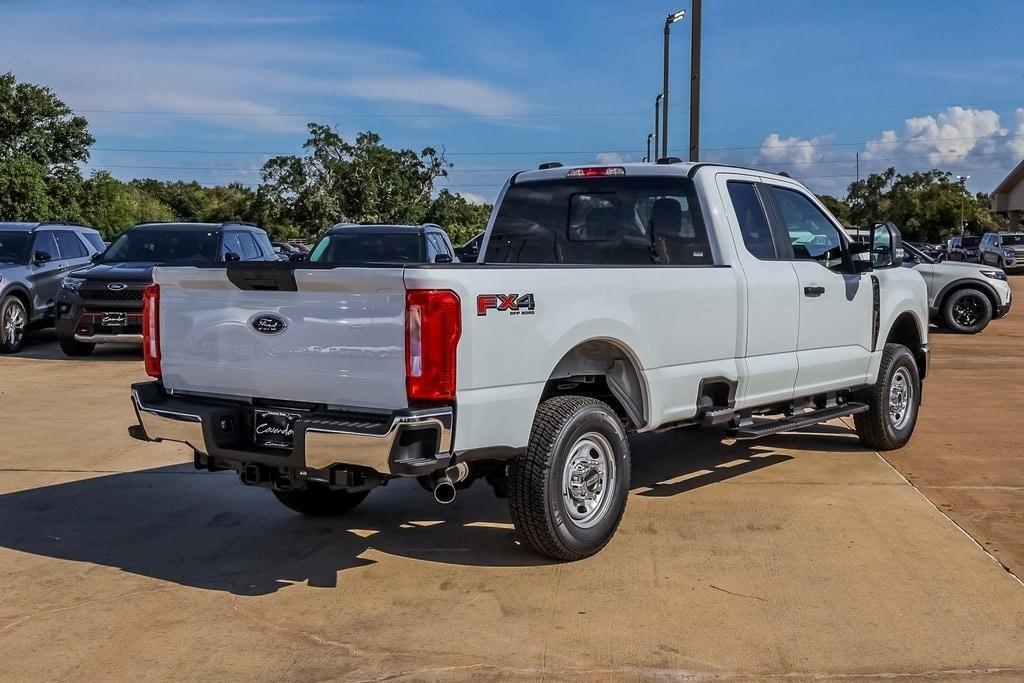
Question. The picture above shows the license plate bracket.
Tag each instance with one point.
(274, 428)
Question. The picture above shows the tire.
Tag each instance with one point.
(572, 435)
(319, 501)
(13, 324)
(882, 428)
(967, 311)
(73, 347)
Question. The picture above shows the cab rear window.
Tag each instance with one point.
(600, 221)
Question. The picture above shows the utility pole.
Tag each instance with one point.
(657, 107)
(695, 80)
(858, 167)
(963, 191)
(669, 20)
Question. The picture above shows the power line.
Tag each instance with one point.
(798, 143)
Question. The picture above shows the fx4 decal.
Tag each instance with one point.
(515, 304)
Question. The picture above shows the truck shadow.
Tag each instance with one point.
(42, 345)
(207, 531)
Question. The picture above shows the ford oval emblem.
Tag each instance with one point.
(117, 286)
(268, 323)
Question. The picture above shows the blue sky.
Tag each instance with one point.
(211, 90)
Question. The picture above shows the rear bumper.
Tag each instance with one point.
(327, 446)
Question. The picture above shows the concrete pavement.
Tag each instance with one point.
(800, 555)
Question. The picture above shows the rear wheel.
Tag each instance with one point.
(893, 401)
(13, 323)
(568, 492)
(72, 347)
(317, 500)
(967, 311)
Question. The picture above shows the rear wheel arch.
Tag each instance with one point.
(608, 369)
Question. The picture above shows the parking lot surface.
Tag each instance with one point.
(802, 554)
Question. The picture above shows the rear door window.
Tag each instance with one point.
(70, 246)
(601, 221)
(753, 222)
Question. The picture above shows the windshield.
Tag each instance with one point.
(165, 246)
(970, 242)
(362, 247)
(14, 246)
(916, 254)
(1012, 240)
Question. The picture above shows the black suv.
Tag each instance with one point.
(34, 257)
(963, 248)
(103, 304)
(354, 244)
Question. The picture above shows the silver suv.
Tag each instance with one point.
(1003, 250)
(962, 297)
(34, 258)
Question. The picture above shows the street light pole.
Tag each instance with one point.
(695, 80)
(657, 107)
(649, 136)
(669, 20)
(963, 191)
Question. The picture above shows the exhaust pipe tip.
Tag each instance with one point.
(444, 491)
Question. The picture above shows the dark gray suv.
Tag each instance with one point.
(34, 258)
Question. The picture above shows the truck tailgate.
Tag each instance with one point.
(335, 337)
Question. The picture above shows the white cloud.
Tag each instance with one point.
(1016, 143)
(951, 136)
(459, 94)
(610, 158)
(791, 151)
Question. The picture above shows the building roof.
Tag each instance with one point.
(1014, 177)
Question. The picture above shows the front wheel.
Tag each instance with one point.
(317, 500)
(568, 492)
(893, 401)
(967, 311)
(13, 323)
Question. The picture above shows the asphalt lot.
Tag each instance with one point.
(801, 554)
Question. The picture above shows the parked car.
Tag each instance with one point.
(34, 258)
(103, 304)
(346, 243)
(1003, 250)
(288, 252)
(962, 297)
(963, 248)
(470, 250)
(933, 251)
(610, 299)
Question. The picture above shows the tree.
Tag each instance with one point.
(110, 205)
(836, 207)
(41, 144)
(926, 205)
(338, 181)
(460, 219)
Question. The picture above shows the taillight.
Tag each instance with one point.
(151, 330)
(595, 171)
(433, 325)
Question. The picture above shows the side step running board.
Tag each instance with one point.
(796, 421)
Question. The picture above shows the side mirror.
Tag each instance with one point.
(232, 256)
(95, 258)
(296, 257)
(41, 257)
(886, 246)
(443, 258)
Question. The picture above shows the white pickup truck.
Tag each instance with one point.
(605, 300)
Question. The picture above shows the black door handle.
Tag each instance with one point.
(814, 291)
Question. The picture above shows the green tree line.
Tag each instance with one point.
(43, 145)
